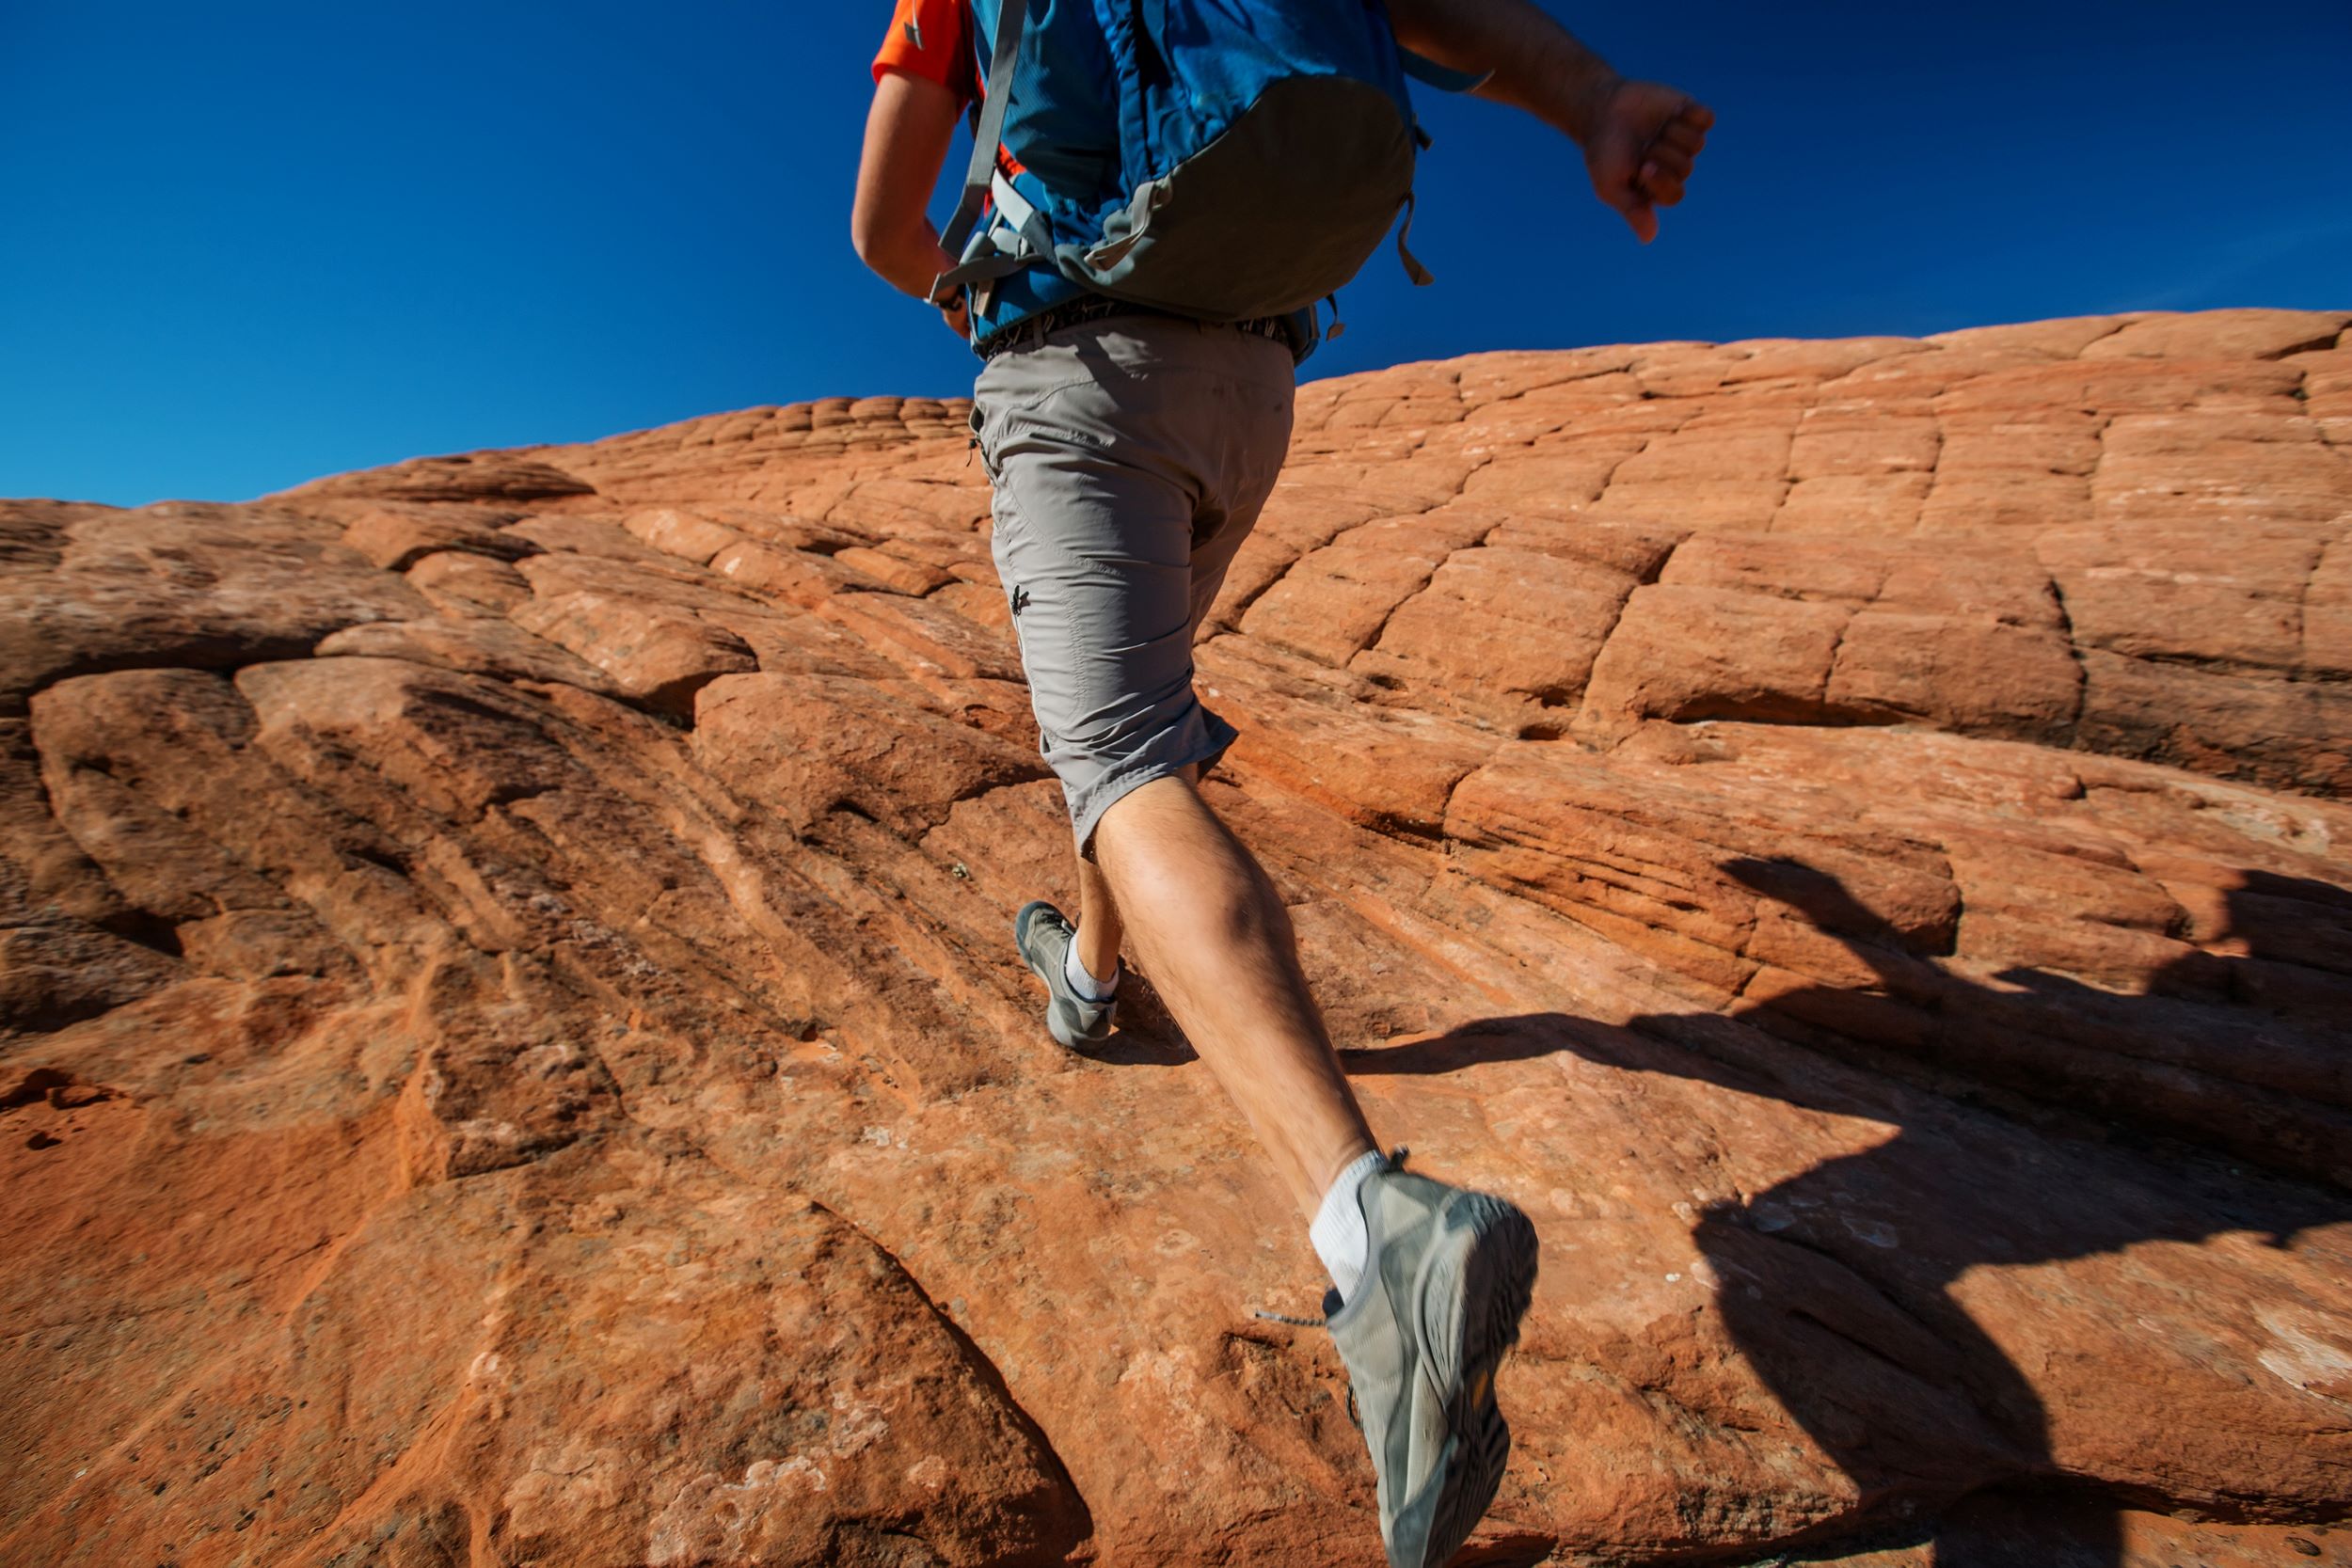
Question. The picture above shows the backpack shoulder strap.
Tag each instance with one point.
(989, 129)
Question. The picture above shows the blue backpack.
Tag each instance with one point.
(1223, 159)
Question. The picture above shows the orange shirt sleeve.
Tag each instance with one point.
(931, 38)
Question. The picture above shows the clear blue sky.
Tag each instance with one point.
(245, 244)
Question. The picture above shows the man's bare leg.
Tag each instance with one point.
(1209, 928)
(1099, 931)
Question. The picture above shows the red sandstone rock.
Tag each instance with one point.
(398, 537)
(182, 583)
(462, 583)
(512, 1051)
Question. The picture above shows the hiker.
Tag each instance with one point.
(1139, 326)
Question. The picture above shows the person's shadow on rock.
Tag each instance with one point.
(1834, 1284)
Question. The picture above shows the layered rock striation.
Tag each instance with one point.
(513, 1054)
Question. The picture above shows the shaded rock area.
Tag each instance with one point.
(513, 1054)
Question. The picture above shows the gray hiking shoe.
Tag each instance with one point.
(1044, 937)
(1446, 1280)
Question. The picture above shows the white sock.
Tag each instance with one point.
(1338, 1230)
(1084, 983)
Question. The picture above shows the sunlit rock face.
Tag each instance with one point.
(514, 1055)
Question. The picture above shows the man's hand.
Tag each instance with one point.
(956, 312)
(1639, 138)
(1642, 141)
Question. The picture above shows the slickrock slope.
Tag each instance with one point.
(514, 1055)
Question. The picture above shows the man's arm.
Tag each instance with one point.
(908, 132)
(1639, 138)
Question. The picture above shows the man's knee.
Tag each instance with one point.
(1146, 812)
(1163, 832)
(1247, 911)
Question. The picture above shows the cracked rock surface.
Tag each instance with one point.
(512, 1055)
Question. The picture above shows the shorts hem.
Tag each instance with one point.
(1108, 791)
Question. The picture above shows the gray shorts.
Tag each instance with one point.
(1130, 458)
